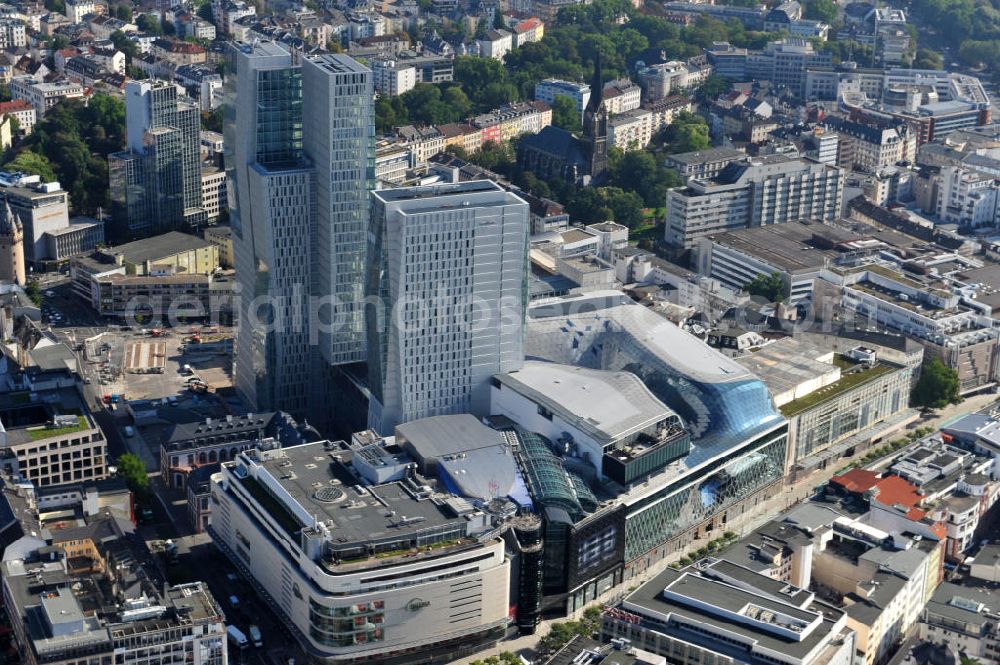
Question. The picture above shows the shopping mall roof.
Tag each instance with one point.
(606, 405)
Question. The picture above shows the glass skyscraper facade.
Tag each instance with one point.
(155, 184)
(338, 123)
(297, 139)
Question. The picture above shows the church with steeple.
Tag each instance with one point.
(557, 153)
(11, 247)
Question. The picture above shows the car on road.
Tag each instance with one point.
(234, 601)
(255, 636)
(129, 431)
(49, 294)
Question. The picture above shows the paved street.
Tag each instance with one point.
(200, 557)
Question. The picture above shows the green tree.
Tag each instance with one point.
(149, 24)
(205, 12)
(821, 10)
(456, 99)
(565, 114)
(27, 161)
(713, 86)
(122, 43)
(4, 93)
(928, 59)
(34, 292)
(426, 104)
(641, 172)
(497, 157)
(389, 112)
(600, 204)
(123, 13)
(75, 139)
(485, 82)
(57, 6)
(133, 472)
(771, 287)
(687, 133)
(937, 387)
(562, 632)
(211, 121)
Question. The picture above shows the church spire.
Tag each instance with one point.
(596, 86)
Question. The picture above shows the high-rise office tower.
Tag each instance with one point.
(448, 264)
(338, 129)
(299, 156)
(155, 183)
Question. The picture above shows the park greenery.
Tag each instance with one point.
(937, 387)
(70, 144)
(821, 10)
(969, 27)
(34, 292)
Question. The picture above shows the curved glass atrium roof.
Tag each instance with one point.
(721, 402)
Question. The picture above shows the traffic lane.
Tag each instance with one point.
(218, 573)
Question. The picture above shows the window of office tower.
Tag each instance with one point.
(279, 117)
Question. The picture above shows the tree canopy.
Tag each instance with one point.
(31, 162)
(771, 287)
(149, 24)
(687, 133)
(641, 172)
(821, 10)
(71, 143)
(937, 387)
(973, 26)
(570, 48)
(928, 59)
(565, 114)
(122, 43)
(133, 472)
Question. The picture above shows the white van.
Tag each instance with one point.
(237, 637)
